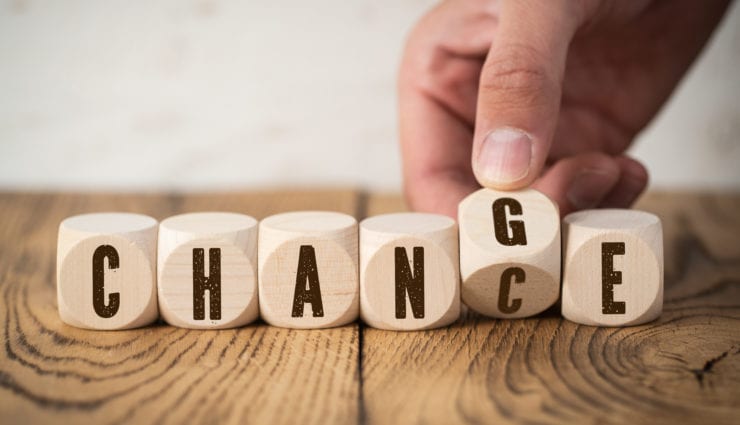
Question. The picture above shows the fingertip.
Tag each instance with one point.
(633, 170)
(505, 160)
(579, 182)
(633, 180)
(591, 184)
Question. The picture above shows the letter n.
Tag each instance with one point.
(406, 282)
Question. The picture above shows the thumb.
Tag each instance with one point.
(520, 91)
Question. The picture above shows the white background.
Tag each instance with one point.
(239, 94)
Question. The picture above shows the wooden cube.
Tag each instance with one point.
(509, 252)
(612, 268)
(106, 270)
(409, 275)
(308, 274)
(207, 270)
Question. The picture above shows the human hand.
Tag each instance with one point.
(546, 93)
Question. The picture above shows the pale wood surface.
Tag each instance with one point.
(684, 368)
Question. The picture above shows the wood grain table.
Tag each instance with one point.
(684, 368)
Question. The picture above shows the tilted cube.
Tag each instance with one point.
(509, 252)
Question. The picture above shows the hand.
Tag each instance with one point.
(546, 93)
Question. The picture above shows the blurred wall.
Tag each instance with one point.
(222, 94)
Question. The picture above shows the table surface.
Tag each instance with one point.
(683, 368)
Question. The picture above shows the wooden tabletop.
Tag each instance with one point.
(684, 368)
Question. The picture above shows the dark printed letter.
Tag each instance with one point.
(310, 293)
(98, 278)
(518, 235)
(610, 277)
(201, 284)
(406, 282)
(503, 294)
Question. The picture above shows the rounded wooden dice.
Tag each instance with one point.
(308, 269)
(509, 252)
(207, 270)
(612, 267)
(106, 270)
(409, 273)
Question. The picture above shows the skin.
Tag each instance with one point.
(573, 81)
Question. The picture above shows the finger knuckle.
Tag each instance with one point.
(515, 75)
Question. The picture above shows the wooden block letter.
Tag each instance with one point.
(409, 275)
(207, 270)
(612, 267)
(509, 252)
(106, 270)
(308, 269)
